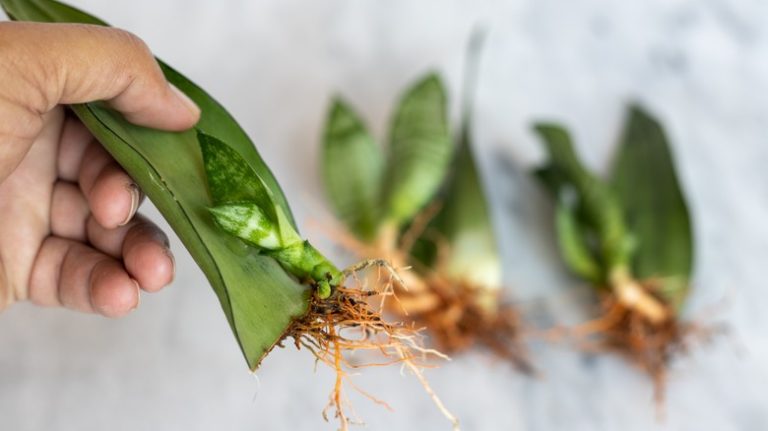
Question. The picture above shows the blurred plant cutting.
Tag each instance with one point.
(630, 236)
(420, 203)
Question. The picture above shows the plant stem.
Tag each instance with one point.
(631, 294)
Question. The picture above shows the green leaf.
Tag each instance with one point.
(258, 297)
(563, 160)
(573, 242)
(352, 170)
(648, 188)
(248, 222)
(596, 208)
(464, 220)
(420, 150)
(232, 180)
(465, 223)
(573, 234)
(549, 177)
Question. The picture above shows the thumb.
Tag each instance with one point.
(54, 64)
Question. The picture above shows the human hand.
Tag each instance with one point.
(68, 234)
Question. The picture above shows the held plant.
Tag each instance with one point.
(422, 205)
(168, 168)
(630, 236)
(244, 207)
(225, 205)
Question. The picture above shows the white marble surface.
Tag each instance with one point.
(701, 65)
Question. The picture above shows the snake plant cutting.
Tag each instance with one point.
(420, 203)
(629, 235)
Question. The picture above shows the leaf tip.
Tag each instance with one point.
(545, 129)
(431, 81)
(206, 141)
(339, 109)
(636, 108)
(337, 105)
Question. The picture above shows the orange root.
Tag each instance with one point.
(649, 344)
(457, 321)
(455, 314)
(346, 322)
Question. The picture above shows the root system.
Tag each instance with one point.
(346, 322)
(459, 318)
(650, 344)
(456, 315)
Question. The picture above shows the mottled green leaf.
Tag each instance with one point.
(231, 180)
(420, 150)
(648, 188)
(352, 170)
(258, 297)
(248, 222)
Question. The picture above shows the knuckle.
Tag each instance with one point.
(138, 52)
(138, 64)
(132, 41)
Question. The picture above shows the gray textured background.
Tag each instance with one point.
(702, 66)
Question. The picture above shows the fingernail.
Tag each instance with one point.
(185, 100)
(138, 294)
(133, 189)
(173, 263)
